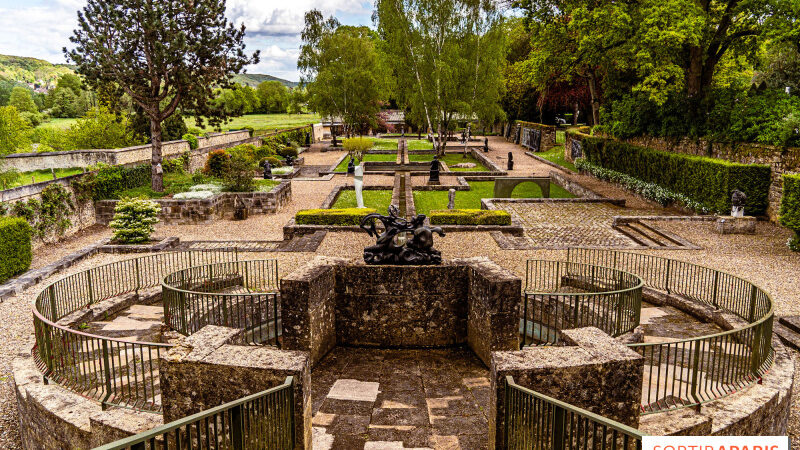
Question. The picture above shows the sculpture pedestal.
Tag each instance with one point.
(736, 225)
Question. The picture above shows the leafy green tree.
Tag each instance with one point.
(70, 81)
(447, 56)
(298, 98)
(100, 128)
(15, 132)
(339, 67)
(237, 101)
(164, 55)
(22, 100)
(65, 103)
(274, 97)
(5, 90)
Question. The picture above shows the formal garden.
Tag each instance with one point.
(497, 225)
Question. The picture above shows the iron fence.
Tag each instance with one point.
(697, 370)
(261, 421)
(562, 295)
(536, 421)
(114, 371)
(240, 294)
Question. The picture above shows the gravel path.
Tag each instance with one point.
(762, 258)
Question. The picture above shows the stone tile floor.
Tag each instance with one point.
(400, 399)
(562, 225)
(141, 323)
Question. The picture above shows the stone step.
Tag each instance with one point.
(791, 322)
(789, 338)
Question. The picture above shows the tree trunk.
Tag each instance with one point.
(595, 99)
(157, 172)
(694, 76)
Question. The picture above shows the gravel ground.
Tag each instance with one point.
(762, 258)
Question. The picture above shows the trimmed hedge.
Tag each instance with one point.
(790, 208)
(112, 179)
(15, 246)
(345, 216)
(708, 181)
(469, 217)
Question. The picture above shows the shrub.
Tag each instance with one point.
(112, 179)
(469, 217)
(50, 215)
(215, 164)
(790, 208)
(238, 174)
(358, 144)
(15, 245)
(706, 181)
(101, 129)
(345, 216)
(273, 162)
(288, 151)
(134, 219)
(192, 140)
(174, 165)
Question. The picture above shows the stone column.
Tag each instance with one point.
(494, 298)
(205, 371)
(308, 308)
(594, 372)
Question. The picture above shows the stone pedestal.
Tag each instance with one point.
(736, 225)
(205, 370)
(468, 301)
(593, 372)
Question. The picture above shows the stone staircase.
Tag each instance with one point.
(647, 236)
(788, 330)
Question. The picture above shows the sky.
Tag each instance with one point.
(41, 28)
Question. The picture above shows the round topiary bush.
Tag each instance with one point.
(192, 140)
(215, 164)
(134, 219)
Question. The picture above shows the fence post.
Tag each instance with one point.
(666, 282)
(558, 427)
(51, 292)
(237, 433)
(89, 285)
(107, 373)
(716, 289)
(753, 294)
(755, 362)
(48, 350)
(138, 277)
(507, 415)
(696, 369)
(291, 412)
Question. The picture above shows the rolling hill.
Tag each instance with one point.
(29, 70)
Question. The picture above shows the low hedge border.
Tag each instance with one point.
(707, 181)
(790, 209)
(469, 217)
(15, 246)
(344, 216)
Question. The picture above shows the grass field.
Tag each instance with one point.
(61, 124)
(378, 200)
(42, 175)
(556, 155)
(425, 201)
(342, 167)
(451, 159)
(268, 122)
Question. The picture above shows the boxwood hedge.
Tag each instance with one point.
(15, 246)
(344, 216)
(708, 181)
(469, 217)
(790, 203)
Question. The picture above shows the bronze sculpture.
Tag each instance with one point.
(395, 246)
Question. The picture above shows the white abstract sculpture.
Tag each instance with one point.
(359, 185)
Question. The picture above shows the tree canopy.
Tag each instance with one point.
(164, 55)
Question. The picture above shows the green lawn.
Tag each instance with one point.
(43, 175)
(419, 144)
(268, 122)
(451, 159)
(425, 201)
(556, 155)
(378, 200)
(342, 167)
(175, 183)
(61, 124)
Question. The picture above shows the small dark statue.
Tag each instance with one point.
(395, 246)
(433, 177)
(738, 199)
(510, 161)
(267, 170)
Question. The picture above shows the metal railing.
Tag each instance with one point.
(697, 370)
(241, 294)
(534, 420)
(561, 295)
(113, 371)
(261, 421)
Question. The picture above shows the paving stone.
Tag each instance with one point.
(361, 391)
(320, 439)
(348, 424)
(400, 416)
(452, 425)
(333, 406)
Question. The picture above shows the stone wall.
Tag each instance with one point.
(25, 162)
(593, 371)
(194, 211)
(780, 160)
(548, 133)
(207, 370)
(331, 301)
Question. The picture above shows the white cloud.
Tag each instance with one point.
(41, 29)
